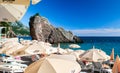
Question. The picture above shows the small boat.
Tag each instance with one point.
(74, 46)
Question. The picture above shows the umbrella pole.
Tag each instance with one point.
(0, 34)
(58, 49)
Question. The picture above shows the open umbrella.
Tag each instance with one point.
(13, 49)
(55, 64)
(35, 1)
(112, 55)
(116, 64)
(13, 10)
(77, 53)
(74, 46)
(94, 55)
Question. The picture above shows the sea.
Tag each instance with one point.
(104, 43)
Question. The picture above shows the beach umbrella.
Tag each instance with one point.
(69, 50)
(77, 53)
(35, 49)
(55, 64)
(39, 48)
(112, 55)
(49, 49)
(119, 67)
(7, 47)
(13, 10)
(13, 49)
(20, 52)
(8, 43)
(35, 1)
(74, 46)
(94, 55)
(115, 66)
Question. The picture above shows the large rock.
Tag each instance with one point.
(42, 30)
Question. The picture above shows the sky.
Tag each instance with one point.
(82, 17)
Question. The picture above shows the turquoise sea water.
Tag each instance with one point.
(104, 43)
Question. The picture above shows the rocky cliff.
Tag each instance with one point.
(42, 30)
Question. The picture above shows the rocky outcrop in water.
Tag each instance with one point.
(42, 30)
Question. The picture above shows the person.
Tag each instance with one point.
(35, 57)
(18, 58)
(42, 55)
(84, 62)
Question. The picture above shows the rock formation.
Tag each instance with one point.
(42, 30)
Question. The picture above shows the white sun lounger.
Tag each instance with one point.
(5, 69)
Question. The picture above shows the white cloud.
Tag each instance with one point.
(97, 32)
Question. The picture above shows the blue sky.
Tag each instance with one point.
(82, 17)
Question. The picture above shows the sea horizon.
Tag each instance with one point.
(98, 36)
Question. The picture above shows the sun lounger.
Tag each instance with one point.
(106, 70)
(110, 63)
(5, 69)
(83, 72)
(81, 64)
(85, 68)
(12, 67)
(97, 66)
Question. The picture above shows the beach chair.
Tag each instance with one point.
(85, 68)
(81, 64)
(5, 69)
(97, 66)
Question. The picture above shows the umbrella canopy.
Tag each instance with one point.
(116, 65)
(55, 64)
(119, 67)
(69, 50)
(77, 53)
(35, 49)
(112, 55)
(35, 1)
(74, 46)
(20, 52)
(94, 55)
(13, 49)
(20, 2)
(6, 48)
(13, 10)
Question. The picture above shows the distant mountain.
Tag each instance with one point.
(17, 27)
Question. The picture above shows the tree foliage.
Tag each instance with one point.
(17, 27)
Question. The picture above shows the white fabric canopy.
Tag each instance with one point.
(13, 10)
(35, 1)
(55, 64)
(17, 2)
(94, 55)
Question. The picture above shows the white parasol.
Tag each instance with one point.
(13, 10)
(35, 1)
(55, 64)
